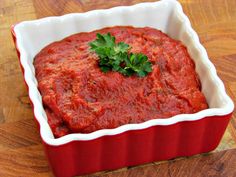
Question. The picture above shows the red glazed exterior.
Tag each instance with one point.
(137, 147)
(134, 147)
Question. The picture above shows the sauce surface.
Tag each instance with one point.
(79, 97)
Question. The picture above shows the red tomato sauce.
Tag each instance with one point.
(79, 97)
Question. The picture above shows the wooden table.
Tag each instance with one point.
(21, 152)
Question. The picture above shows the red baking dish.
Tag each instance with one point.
(131, 144)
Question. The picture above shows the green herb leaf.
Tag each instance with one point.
(114, 56)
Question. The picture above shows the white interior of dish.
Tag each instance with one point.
(166, 15)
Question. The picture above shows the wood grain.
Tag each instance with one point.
(21, 152)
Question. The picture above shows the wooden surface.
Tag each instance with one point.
(21, 152)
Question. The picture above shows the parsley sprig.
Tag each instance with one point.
(115, 56)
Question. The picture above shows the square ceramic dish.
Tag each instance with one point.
(131, 144)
